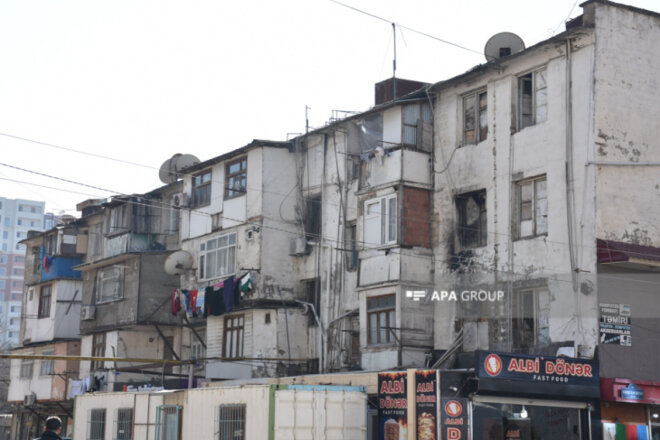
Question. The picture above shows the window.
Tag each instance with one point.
(381, 319)
(20, 208)
(5, 234)
(529, 324)
(3, 259)
(19, 222)
(16, 271)
(4, 247)
(34, 209)
(7, 221)
(117, 220)
(16, 259)
(201, 189)
(413, 116)
(26, 368)
(217, 257)
(2, 284)
(168, 422)
(380, 221)
(110, 282)
(532, 207)
(3, 271)
(230, 423)
(44, 301)
(351, 247)
(475, 118)
(15, 296)
(13, 321)
(47, 365)
(532, 99)
(313, 218)
(123, 424)
(472, 219)
(312, 296)
(15, 309)
(233, 337)
(98, 350)
(236, 178)
(197, 350)
(96, 427)
(94, 236)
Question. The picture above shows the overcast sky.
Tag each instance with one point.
(140, 80)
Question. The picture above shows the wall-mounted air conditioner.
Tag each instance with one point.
(298, 246)
(180, 200)
(87, 313)
(29, 399)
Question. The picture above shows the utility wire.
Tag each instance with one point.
(406, 27)
(58, 178)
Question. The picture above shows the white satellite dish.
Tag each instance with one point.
(178, 263)
(170, 169)
(502, 45)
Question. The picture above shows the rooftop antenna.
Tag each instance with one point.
(394, 63)
(307, 119)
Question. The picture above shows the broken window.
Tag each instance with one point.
(313, 218)
(371, 132)
(236, 178)
(472, 219)
(230, 422)
(381, 319)
(414, 116)
(475, 118)
(529, 325)
(233, 337)
(532, 207)
(201, 189)
(380, 221)
(532, 99)
(44, 301)
(110, 284)
(217, 257)
(98, 350)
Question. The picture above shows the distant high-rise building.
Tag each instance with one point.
(17, 217)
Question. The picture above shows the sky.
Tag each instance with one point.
(101, 93)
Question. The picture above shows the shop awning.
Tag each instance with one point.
(609, 251)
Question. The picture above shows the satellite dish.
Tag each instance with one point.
(170, 169)
(502, 45)
(178, 263)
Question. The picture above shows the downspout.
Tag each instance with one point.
(569, 190)
(323, 301)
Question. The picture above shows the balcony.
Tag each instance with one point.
(54, 267)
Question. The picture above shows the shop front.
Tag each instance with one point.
(630, 409)
(522, 397)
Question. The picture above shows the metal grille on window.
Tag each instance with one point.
(96, 424)
(167, 422)
(230, 422)
(123, 424)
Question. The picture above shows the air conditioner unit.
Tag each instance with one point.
(298, 246)
(29, 399)
(180, 200)
(87, 313)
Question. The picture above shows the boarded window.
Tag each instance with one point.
(472, 219)
(381, 319)
(230, 422)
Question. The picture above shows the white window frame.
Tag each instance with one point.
(230, 422)
(112, 274)
(538, 204)
(378, 215)
(223, 252)
(27, 368)
(539, 97)
(478, 112)
(232, 334)
(47, 366)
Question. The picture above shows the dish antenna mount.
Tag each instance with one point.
(502, 45)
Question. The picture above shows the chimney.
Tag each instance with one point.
(403, 87)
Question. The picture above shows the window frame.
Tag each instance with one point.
(226, 427)
(117, 220)
(204, 252)
(98, 350)
(45, 299)
(125, 424)
(533, 208)
(478, 111)
(47, 366)
(162, 432)
(352, 254)
(104, 276)
(384, 334)
(313, 217)
(540, 300)
(27, 369)
(233, 348)
(460, 201)
(410, 130)
(96, 428)
(388, 235)
(201, 190)
(236, 187)
(534, 102)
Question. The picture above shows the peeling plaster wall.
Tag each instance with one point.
(494, 165)
(62, 321)
(626, 130)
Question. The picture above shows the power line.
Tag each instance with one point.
(48, 187)
(406, 27)
(58, 178)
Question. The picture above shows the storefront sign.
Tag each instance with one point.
(615, 324)
(632, 392)
(454, 417)
(426, 404)
(392, 406)
(537, 368)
